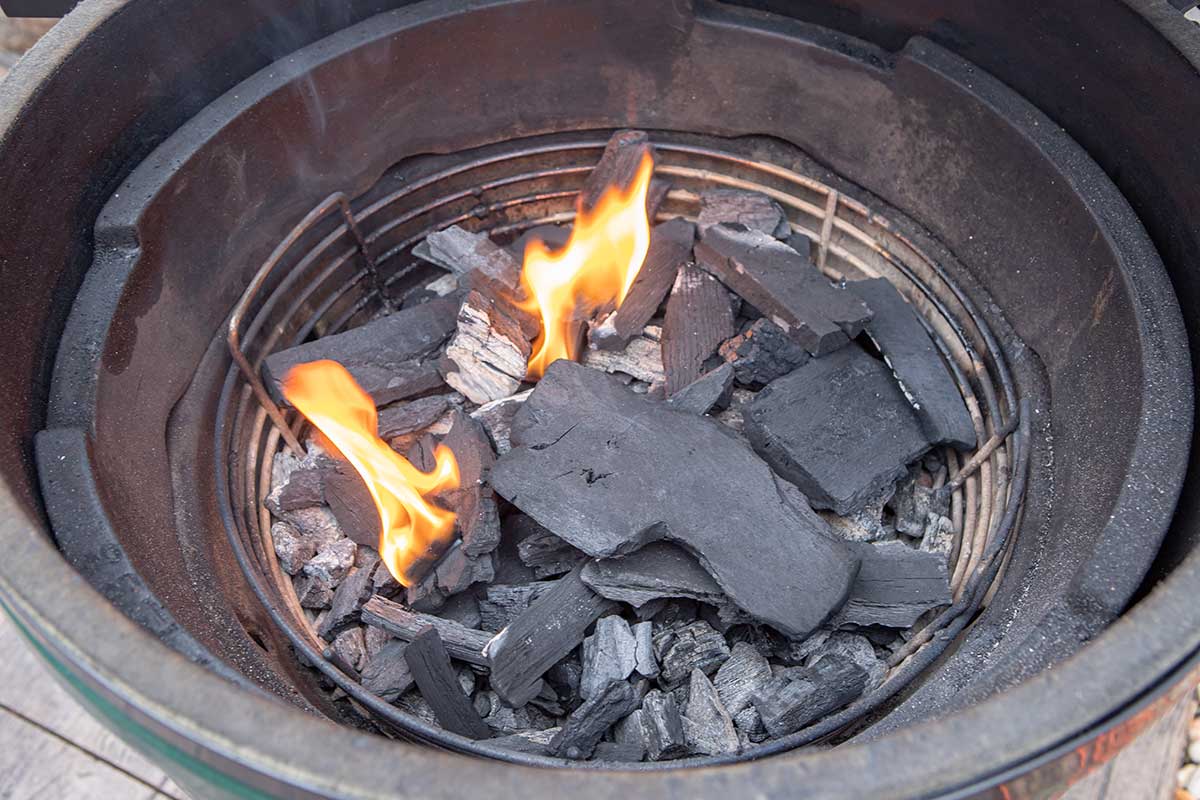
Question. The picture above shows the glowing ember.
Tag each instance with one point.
(595, 269)
(326, 394)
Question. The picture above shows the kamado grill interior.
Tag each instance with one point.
(613, 385)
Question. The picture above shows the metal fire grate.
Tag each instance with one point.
(348, 261)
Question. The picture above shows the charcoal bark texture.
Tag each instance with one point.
(586, 725)
(699, 318)
(670, 248)
(800, 696)
(435, 678)
(610, 471)
(609, 654)
(496, 418)
(706, 722)
(386, 673)
(398, 419)
(662, 725)
(385, 357)
(744, 673)
(682, 649)
(705, 392)
(552, 627)
(917, 365)
(761, 353)
(487, 356)
(838, 427)
(348, 599)
(617, 167)
(754, 210)
(657, 570)
(503, 603)
(332, 562)
(463, 644)
(895, 585)
(641, 358)
(783, 285)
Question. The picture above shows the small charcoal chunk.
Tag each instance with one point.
(761, 353)
(753, 209)
(463, 252)
(386, 673)
(303, 488)
(502, 603)
(838, 428)
(438, 683)
(657, 570)
(457, 570)
(705, 392)
(333, 562)
(745, 673)
(706, 722)
(532, 742)
(693, 646)
(799, 696)
(662, 725)
(642, 357)
(292, 549)
(541, 550)
(385, 357)
(856, 648)
(496, 418)
(866, 524)
(895, 585)
(487, 356)
(586, 725)
(408, 417)
(644, 662)
(312, 592)
(348, 599)
(618, 751)
(349, 648)
(699, 318)
(609, 655)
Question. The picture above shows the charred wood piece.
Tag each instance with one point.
(477, 516)
(683, 649)
(600, 467)
(586, 725)
(496, 418)
(438, 683)
(501, 604)
(856, 648)
(798, 696)
(761, 353)
(385, 357)
(699, 318)
(662, 727)
(351, 502)
(303, 488)
(487, 357)
(618, 166)
(744, 673)
(609, 654)
(710, 389)
(465, 254)
(895, 585)
(838, 427)
(754, 210)
(642, 357)
(463, 644)
(457, 570)
(706, 722)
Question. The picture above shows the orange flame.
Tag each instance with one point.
(596, 267)
(326, 394)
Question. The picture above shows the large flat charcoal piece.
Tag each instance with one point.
(896, 584)
(657, 570)
(838, 427)
(350, 502)
(797, 697)
(610, 471)
(754, 210)
(670, 248)
(699, 318)
(609, 654)
(617, 167)
(683, 649)
(385, 357)
(586, 725)
(552, 627)
(914, 359)
(706, 721)
(784, 285)
(435, 678)
(761, 353)
(463, 644)
(487, 357)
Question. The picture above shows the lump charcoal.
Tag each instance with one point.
(351, 502)
(532, 742)
(292, 549)
(349, 647)
(565, 678)
(750, 726)
(316, 524)
(421, 454)
(800, 696)
(457, 571)
(463, 609)
(794, 653)
(504, 720)
(402, 418)
(496, 418)
(864, 525)
(618, 165)
(463, 644)
(586, 725)
(657, 570)
(693, 646)
(600, 467)
(478, 519)
(856, 648)
(914, 504)
(662, 725)
(313, 592)
(895, 585)
(616, 752)
(385, 357)
(838, 428)
(754, 210)
(302, 489)
(705, 392)
(503, 603)
(425, 595)
(374, 640)
(609, 655)
(487, 357)
(938, 536)
(699, 318)
(642, 357)
(707, 725)
(541, 550)
(413, 703)
(743, 674)
(386, 673)
(644, 662)
(333, 562)
(761, 353)
(916, 364)
(552, 627)
(631, 731)
(670, 248)
(348, 600)
(438, 683)
(784, 285)
(463, 252)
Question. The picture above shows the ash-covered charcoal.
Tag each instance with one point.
(699, 396)
(552, 627)
(503, 603)
(463, 644)
(856, 648)
(532, 742)
(609, 654)
(682, 649)
(895, 585)
(938, 537)
(477, 516)
(496, 418)
(316, 524)
(351, 502)
(754, 210)
(670, 248)
(487, 356)
(662, 726)
(914, 504)
(706, 722)
(617, 167)
(349, 649)
(750, 727)
(463, 252)
(302, 488)
(657, 570)
(761, 353)
(374, 640)
(601, 468)
(313, 592)
(616, 752)
(402, 418)
(866, 524)
(333, 562)
(292, 549)
(642, 357)
(386, 357)
(699, 318)
(838, 427)
(784, 285)
(799, 696)
(438, 683)
(386, 673)
(540, 550)
(348, 599)
(644, 662)
(586, 725)
(745, 672)
(914, 359)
